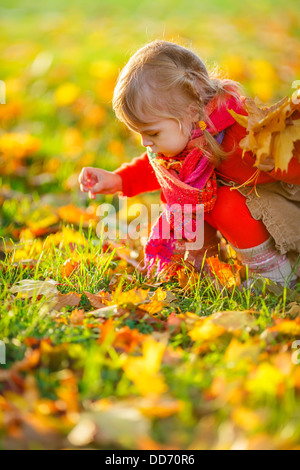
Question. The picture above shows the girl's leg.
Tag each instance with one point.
(249, 237)
(232, 217)
(210, 248)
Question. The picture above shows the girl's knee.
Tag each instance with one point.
(229, 206)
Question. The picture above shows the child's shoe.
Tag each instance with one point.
(264, 261)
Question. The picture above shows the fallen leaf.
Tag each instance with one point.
(294, 310)
(104, 312)
(75, 215)
(77, 317)
(69, 266)
(134, 296)
(127, 339)
(237, 351)
(29, 288)
(158, 407)
(286, 327)
(276, 289)
(62, 300)
(207, 331)
(153, 306)
(144, 370)
(234, 320)
(227, 274)
(99, 300)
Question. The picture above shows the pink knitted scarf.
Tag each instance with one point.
(194, 184)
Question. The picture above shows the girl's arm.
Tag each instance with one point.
(138, 176)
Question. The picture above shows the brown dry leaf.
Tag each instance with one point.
(294, 310)
(31, 360)
(277, 290)
(99, 300)
(62, 300)
(187, 281)
(174, 323)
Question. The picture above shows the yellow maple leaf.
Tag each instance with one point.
(153, 306)
(207, 331)
(134, 296)
(284, 145)
(272, 132)
(159, 295)
(144, 370)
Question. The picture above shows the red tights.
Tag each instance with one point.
(233, 219)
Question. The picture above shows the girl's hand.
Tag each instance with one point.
(98, 181)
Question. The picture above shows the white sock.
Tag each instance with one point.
(264, 260)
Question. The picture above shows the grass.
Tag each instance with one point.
(95, 364)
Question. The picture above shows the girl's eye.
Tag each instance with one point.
(153, 135)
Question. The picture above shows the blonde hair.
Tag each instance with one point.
(161, 80)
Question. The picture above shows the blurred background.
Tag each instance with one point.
(60, 60)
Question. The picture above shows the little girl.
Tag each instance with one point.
(181, 112)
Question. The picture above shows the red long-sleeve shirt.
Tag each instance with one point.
(138, 176)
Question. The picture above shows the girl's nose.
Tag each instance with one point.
(146, 141)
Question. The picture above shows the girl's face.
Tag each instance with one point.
(166, 136)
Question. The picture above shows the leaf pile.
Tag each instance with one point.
(273, 134)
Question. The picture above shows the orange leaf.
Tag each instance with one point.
(75, 215)
(227, 274)
(128, 339)
(77, 317)
(107, 329)
(174, 323)
(62, 300)
(100, 299)
(69, 267)
(153, 307)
